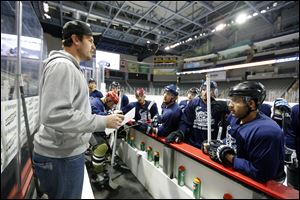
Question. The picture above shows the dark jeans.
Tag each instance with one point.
(60, 178)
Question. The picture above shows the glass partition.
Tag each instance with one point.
(15, 158)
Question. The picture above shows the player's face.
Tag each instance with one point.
(168, 97)
(204, 93)
(191, 96)
(92, 86)
(115, 90)
(140, 99)
(237, 106)
(110, 104)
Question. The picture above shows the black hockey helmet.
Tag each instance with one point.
(213, 84)
(194, 91)
(254, 90)
(115, 84)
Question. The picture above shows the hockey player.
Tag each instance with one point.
(193, 123)
(99, 147)
(191, 94)
(167, 122)
(259, 140)
(123, 99)
(93, 92)
(103, 105)
(143, 111)
(292, 148)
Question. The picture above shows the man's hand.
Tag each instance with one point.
(175, 136)
(117, 112)
(114, 120)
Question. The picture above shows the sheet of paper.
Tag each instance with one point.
(130, 115)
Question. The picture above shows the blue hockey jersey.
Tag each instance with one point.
(183, 104)
(96, 93)
(292, 134)
(193, 122)
(259, 146)
(98, 107)
(141, 112)
(124, 100)
(266, 109)
(169, 119)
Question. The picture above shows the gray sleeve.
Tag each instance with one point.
(64, 105)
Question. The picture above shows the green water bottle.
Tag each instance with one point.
(142, 146)
(156, 159)
(197, 188)
(149, 154)
(181, 175)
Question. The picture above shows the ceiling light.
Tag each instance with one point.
(238, 66)
(220, 27)
(213, 30)
(263, 11)
(254, 14)
(241, 18)
(148, 42)
(167, 48)
(275, 4)
(46, 7)
(47, 16)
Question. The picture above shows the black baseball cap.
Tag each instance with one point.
(92, 80)
(78, 27)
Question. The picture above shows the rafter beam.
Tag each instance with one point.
(165, 21)
(90, 10)
(258, 12)
(205, 5)
(150, 10)
(120, 9)
(202, 16)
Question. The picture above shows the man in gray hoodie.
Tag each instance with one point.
(66, 122)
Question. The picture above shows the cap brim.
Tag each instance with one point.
(97, 37)
(96, 34)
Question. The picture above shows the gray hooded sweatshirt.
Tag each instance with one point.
(66, 122)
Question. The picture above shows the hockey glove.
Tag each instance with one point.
(144, 128)
(282, 105)
(121, 132)
(290, 156)
(222, 151)
(219, 107)
(211, 149)
(175, 136)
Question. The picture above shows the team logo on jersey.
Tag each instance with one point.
(200, 121)
(143, 113)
